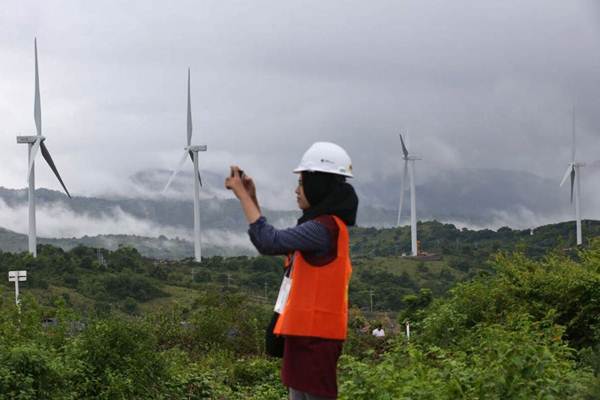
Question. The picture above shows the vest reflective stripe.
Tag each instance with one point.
(318, 302)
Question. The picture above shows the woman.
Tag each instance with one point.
(313, 299)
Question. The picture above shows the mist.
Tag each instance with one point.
(56, 221)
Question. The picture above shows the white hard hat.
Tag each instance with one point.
(326, 157)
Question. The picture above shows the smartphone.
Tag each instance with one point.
(241, 174)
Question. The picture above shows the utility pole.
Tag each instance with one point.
(16, 277)
(407, 323)
(371, 294)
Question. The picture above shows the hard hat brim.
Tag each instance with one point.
(327, 171)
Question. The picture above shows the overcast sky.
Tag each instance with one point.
(482, 84)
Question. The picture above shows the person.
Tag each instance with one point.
(378, 331)
(313, 300)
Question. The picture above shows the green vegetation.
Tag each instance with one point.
(435, 237)
(486, 322)
(465, 246)
(531, 330)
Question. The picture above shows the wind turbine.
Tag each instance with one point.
(409, 169)
(573, 170)
(191, 151)
(35, 144)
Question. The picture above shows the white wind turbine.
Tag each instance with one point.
(35, 144)
(573, 170)
(191, 151)
(409, 168)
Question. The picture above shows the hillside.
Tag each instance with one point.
(376, 253)
(520, 328)
(153, 247)
(435, 237)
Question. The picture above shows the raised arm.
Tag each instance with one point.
(245, 191)
(309, 237)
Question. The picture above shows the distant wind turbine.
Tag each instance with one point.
(573, 171)
(35, 144)
(191, 151)
(409, 169)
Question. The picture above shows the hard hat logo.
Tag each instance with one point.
(326, 157)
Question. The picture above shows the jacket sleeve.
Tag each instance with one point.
(309, 237)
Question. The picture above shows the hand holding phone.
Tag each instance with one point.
(240, 171)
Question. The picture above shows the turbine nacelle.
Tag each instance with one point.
(29, 139)
(406, 155)
(196, 148)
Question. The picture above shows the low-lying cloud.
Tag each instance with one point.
(56, 221)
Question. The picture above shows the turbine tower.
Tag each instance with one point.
(35, 143)
(409, 169)
(191, 151)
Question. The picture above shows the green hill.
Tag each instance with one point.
(522, 327)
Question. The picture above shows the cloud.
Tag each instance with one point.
(523, 218)
(479, 85)
(56, 221)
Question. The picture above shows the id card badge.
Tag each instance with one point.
(284, 292)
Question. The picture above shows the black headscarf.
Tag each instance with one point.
(329, 194)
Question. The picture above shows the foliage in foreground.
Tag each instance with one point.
(521, 361)
(531, 330)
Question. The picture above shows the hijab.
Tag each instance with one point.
(328, 194)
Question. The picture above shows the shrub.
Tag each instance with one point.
(116, 359)
(492, 362)
(29, 371)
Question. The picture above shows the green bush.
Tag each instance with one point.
(492, 362)
(568, 290)
(116, 359)
(123, 285)
(512, 335)
(29, 371)
(256, 371)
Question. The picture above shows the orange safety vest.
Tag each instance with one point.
(317, 305)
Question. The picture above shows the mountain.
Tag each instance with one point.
(222, 214)
(474, 197)
(481, 197)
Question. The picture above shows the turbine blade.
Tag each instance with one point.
(573, 141)
(189, 112)
(572, 182)
(199, 177)
(404, 150)
(34, 150)
(179, 166)
(564, 179)
(402, 191)
(48, 158)
(37, 107)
